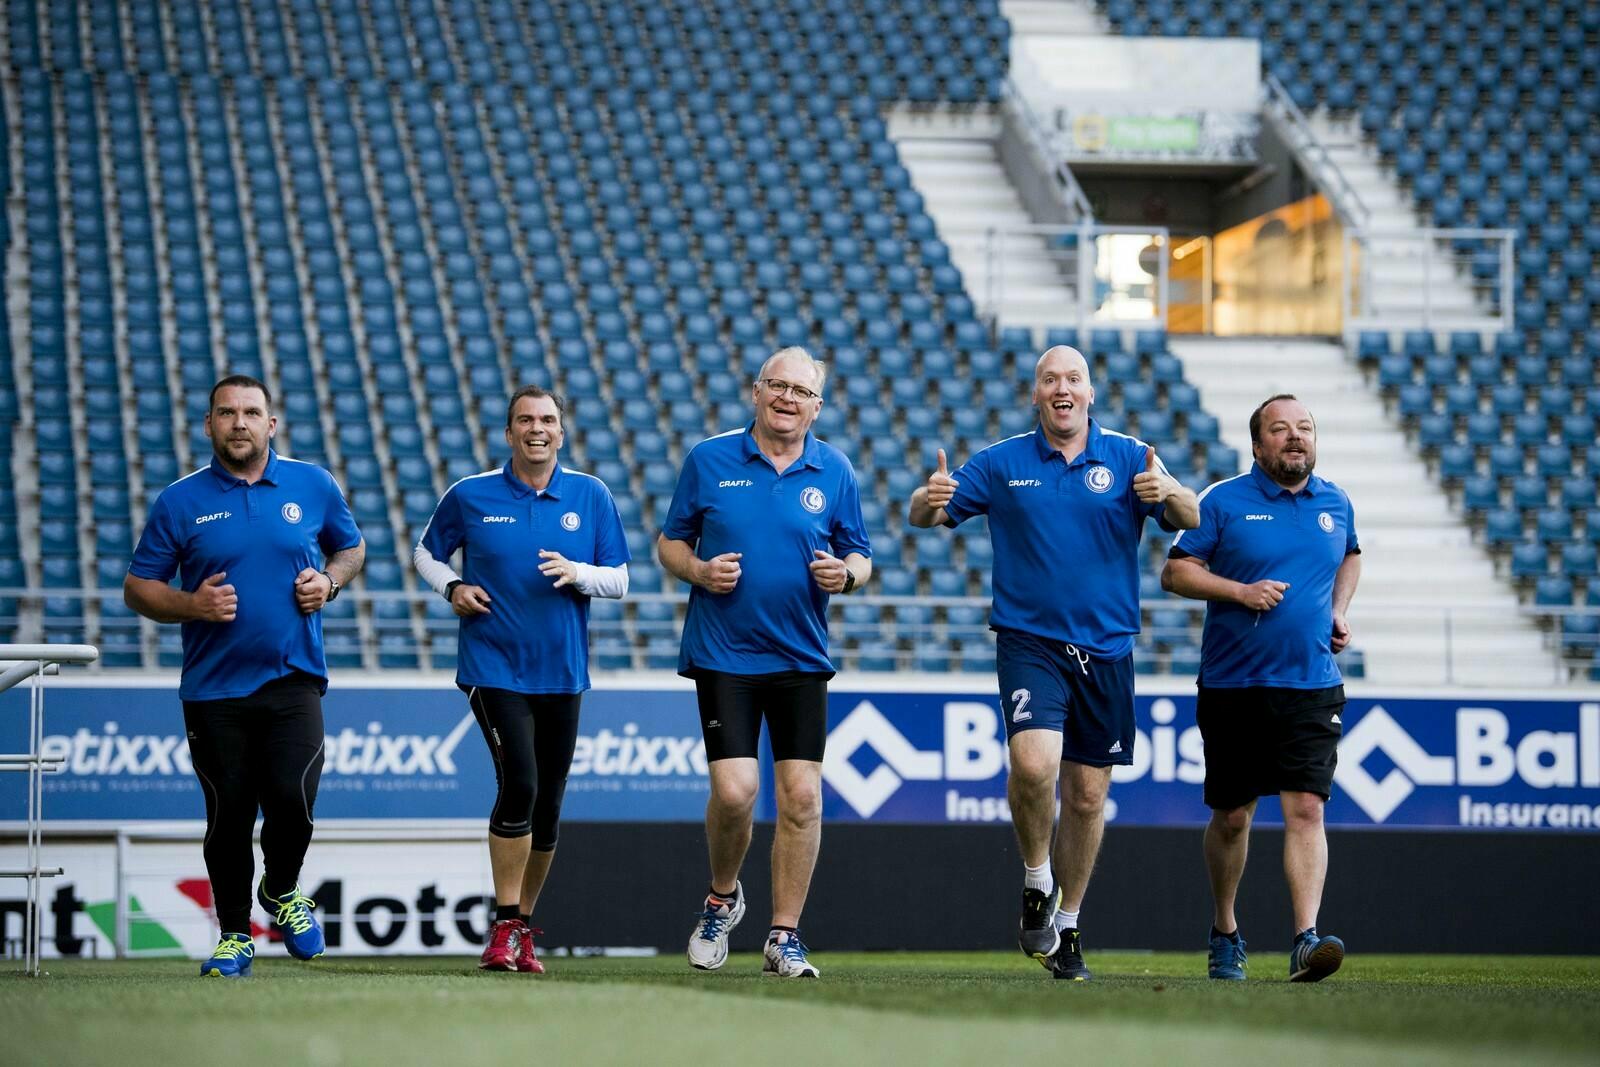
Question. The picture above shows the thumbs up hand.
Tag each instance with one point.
(941, 487)
(1154, 485)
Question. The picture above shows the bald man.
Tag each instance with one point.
(766, 526)
(1066, 503)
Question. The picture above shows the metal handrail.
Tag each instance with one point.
(1311, 153)
(19, 662)
(1044, 141)
(1083, 267)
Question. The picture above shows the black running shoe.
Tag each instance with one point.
(1066, 963)
(1038, 936)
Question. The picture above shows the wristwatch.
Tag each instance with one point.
(450, 590)
(333, 585)
(849, 581)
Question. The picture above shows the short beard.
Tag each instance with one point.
(1279, 471)
(256, 455)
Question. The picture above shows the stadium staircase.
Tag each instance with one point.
(956, 166)
(1430, 606)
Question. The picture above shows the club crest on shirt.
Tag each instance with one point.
(570, 521)
(291, 512)
(1099, 479)
(1325, 521)
(812, 500)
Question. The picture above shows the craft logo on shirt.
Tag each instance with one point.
(569, 521)
(1099, 479)
(1253, 517)
(292, 513)
(1325, 521)
(499, 518)
(203, 519)
(812, 500)
(734, 483)
(1021, 483)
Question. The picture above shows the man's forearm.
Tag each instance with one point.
(921, 514)
(678, 558)
(157, 600)
(861, 567)
(1198, 583)
(346, 563)
(1345, 581)
(1183, 509)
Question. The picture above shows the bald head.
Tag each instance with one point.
(1060, 359)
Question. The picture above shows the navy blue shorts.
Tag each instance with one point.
(1051, 685)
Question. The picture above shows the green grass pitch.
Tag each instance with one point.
(877, 1009)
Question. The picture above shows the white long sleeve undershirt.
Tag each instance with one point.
(610, 583)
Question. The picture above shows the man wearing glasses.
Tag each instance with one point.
(765, 525)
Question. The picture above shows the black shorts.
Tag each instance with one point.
(1050, 685)
(794, 704)
(1263, 740)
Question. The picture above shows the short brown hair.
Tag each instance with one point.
(242, 381)
(536, 391)
(1255, 416)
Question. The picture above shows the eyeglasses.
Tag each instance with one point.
(779, 387)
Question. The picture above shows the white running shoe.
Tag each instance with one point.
(708, 945)
(786, 957)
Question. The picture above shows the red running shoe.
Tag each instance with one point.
(505, 937)
(527, 962)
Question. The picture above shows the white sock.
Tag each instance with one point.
(1066, 920)
(1038, 877)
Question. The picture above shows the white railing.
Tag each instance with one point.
(1097, 275)
(1295, 131)
(1046, 144)
(1472, 644)
(1429, 279)
(19, 663)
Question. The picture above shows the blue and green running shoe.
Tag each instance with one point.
(293, 916)
(1227, 960)
(231, 958)
(1313, 958)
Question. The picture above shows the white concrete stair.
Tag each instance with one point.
(968, 195)
(1430, 609)
(1399, 266)
(1039, 17)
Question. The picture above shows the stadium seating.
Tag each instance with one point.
(1486, 112)
(394, 211)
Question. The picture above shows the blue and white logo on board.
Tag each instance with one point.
(812, 500)
(1099, 479)
(1325, 521)
(570, 521)
(292, 512)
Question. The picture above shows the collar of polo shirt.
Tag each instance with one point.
(269, 473)
(810, 455)
(1091, 445)
(522, 488)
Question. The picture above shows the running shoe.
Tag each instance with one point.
(231, 958)
(1313, 958)
(1038, 936)
(786, 957)
(1066, 962)
(1227, 959)
(527, 960)
(708, 945)
(295, 919)
(505, 940)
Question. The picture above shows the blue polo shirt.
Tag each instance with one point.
(730, 498)
(1066, 535)
(535, 638)
(262, 535)
(1252, 529)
